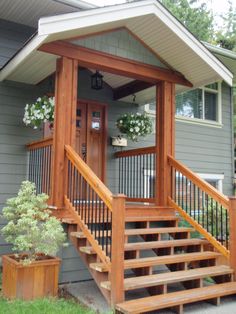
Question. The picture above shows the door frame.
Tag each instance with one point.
(104, 139)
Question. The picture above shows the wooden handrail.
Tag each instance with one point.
(203, 185)
(136, 152)
(97, 185)
(47, 141)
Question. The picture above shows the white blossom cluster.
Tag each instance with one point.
(134, 125)
(40, 111)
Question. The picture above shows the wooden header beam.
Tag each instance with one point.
(130, 88)
(109, 63)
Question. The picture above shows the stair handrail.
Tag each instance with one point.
(99, 187)
(196, 179)
(115, 205)
(206, 193)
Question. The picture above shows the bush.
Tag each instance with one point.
(31, 228)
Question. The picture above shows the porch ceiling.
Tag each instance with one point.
(148, 20)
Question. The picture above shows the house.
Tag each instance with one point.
(148, 60)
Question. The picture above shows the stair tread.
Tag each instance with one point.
(163, 244)
(171, 277)
(157, 302)
(169, 259)
(78, 234)
(143, 231)
(160, 260)
(135, 246)
(151, 218)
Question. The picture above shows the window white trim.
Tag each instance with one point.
(218, 92)
(214, 177)
(203, 121)
(148, 173)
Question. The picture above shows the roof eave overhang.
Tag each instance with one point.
(62, 25)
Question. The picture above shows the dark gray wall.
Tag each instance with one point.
(12, 38)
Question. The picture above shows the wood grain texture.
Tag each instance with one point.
(165, 139)
(96, 184)
(232, 233)
(149, 304)
(117, 249)
(219, 247)
(106, 62)
(199, 182)
(40, 143)
(37, 280)
(64, 124)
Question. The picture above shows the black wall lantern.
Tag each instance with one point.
(97, 81)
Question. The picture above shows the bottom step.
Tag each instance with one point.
(173, 299)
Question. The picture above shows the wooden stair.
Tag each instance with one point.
(176, 299)
(176, 259)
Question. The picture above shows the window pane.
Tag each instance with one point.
(211, 106)
(189, 104)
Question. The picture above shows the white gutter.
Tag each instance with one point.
(23, 54)
(221, 51)
(77, 4)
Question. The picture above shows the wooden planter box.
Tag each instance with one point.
(37, 280)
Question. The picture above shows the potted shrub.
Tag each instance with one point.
(134, 125)
(36, 237)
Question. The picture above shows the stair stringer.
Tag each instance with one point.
(87, 259)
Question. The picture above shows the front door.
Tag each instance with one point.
(91, 135)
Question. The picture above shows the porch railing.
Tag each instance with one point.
(201, 205)
(99, 214)
(40, 164)
(137, 174)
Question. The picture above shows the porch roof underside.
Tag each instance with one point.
(148, 20)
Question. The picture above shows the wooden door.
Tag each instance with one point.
(91, 135)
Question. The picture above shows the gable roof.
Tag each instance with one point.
(148, 20)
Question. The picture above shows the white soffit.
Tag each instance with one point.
(149, 20)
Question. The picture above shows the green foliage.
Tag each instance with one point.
(30, 227)
(226, 36)
(43, 306)
(134, 125)
(194, 15)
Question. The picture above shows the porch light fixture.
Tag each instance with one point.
(97, 80)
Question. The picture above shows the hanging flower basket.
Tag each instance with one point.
(39, 112)
(134, 125)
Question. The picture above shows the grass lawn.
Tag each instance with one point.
(44, 306)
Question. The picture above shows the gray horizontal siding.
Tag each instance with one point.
(12, 38)
(207, 149)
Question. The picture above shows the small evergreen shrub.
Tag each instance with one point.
(31, 229)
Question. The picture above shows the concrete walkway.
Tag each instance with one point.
(87, 293)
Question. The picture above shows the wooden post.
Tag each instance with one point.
(117, 251)
(64, 124)
(165, 139)
(232, 233)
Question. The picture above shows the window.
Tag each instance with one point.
(202, 103)
(197, 105)
(215, 180)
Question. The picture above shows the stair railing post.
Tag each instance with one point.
(232, 235)
(117, 249)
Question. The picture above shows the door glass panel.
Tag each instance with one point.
(96, 125)
(78, 123)
(96, 114)
(78, 112)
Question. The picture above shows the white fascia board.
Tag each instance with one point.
(77, 20)
(79, 4)
(27, 50)
(221, 51)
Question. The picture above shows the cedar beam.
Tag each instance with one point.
(110, 63)
(165, 140)
(64, 124)
(232, 233)
(130, 88)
